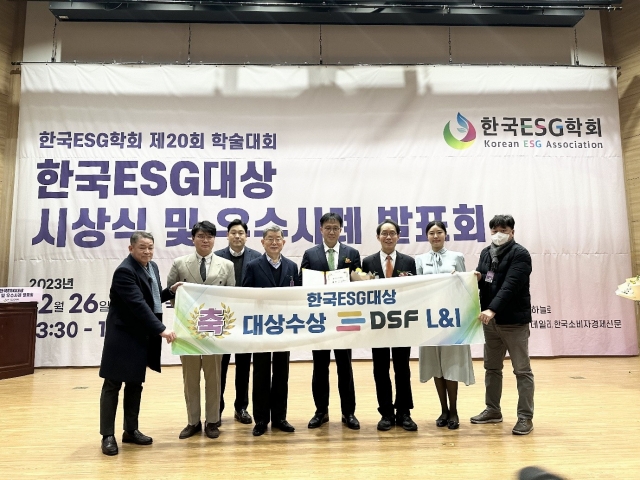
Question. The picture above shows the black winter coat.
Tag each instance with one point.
(508, 295)
(132, 338)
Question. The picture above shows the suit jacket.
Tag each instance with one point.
(187, 269)
(249, 255)
(258, 273)
(404, 263)
(132, 335)
(315, 258)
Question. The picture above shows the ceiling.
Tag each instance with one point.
(543, 13)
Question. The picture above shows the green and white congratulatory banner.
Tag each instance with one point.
(398, 312)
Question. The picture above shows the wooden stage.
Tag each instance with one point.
(587, 425)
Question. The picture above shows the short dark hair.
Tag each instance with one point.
(204, 226)
(237, 221)
(135, 236)
(502, 221)
(388, 220)
(330, 217)
(435, 223)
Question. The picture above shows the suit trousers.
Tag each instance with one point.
(402, 372)
(498, 340)
(191, 366)
(270, 390)
(109, 405)
(243, 367)
(320, 380)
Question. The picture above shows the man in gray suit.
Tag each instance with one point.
(202, 267)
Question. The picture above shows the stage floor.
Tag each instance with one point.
(587, 425)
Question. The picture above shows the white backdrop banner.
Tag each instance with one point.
(107, 149)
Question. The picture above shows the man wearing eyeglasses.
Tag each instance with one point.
(332, 255)
(389, 263)
(205, 268)
(271, 369)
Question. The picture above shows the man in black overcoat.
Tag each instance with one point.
(132, 339)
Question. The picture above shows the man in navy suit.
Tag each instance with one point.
(239, 255)
(389, 263)
(133, 340)
(270, 391)
(332, 255)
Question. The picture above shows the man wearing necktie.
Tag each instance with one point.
(332, 255)
(390, 263)
(205, 268)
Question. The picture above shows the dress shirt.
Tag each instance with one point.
(275, 264)
(207, 261)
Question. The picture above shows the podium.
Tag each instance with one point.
(18, 312)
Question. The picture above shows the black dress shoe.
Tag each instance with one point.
(351, 421)
(442, 420)
(243, 416)
(386, 423)
(405, 422)
(453, 423)
(318, 419)
(190, 431)
(211, 430)
(259, 429)
(135, 436)
(284, 426)
(109, 445)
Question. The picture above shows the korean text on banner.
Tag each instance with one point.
(408, 311)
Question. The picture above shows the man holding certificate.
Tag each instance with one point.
(332, 255)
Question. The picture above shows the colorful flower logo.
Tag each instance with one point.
(466, 128)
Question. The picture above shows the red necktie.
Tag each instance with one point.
(388, 268)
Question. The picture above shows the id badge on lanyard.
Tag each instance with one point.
(489, 277)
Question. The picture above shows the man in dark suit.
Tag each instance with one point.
(240, 255)
(132, 340)
(389, 263)
(270, 391)
(332, 255)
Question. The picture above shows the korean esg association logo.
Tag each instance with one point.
(465, 128)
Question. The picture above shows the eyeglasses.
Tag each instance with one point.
(272, 240)
(388, 234)
(204, 237)
(331, 229)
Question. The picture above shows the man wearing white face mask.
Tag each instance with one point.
(503, 275)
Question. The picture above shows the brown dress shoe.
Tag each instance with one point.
(211, 430)
(190, 431)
